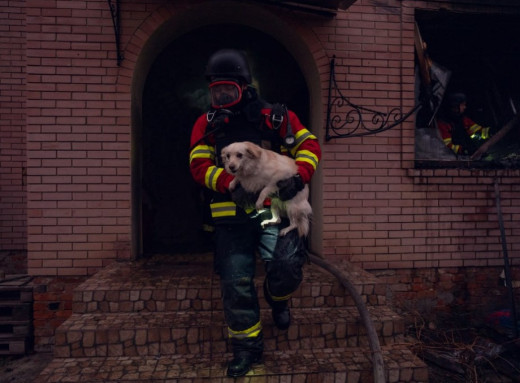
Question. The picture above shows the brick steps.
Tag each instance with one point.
(155, 286)
(323, 365)
(152, 333)
(161, 320)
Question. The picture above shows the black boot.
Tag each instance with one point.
(246, 352)
(242, 363)
(280, 310)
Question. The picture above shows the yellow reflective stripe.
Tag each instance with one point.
(211, 177)
(307, 156)
(223, 209)
(278, 299)
(485, 133)
(202, 151)
(251, 332)
(300, 137)
(448, 142)
(474, 128)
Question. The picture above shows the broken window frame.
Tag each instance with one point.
(428, 136)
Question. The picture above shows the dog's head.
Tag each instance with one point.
(240, 157)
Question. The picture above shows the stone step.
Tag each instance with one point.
(170, 284)
(161, 320)
(331, 365)
(168, 333)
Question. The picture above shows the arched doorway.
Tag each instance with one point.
(175, 94)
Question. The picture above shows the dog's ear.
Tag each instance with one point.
(223, 154)
(253, 151)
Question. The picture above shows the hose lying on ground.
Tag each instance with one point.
(373, 340)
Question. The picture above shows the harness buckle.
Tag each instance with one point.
(277, 120)
(211, 115)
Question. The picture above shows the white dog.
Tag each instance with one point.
(258, 170)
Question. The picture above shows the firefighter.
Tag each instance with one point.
(459, 132)
(238, 114)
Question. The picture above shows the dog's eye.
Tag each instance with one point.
(239, 155)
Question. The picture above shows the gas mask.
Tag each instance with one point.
(225, 93)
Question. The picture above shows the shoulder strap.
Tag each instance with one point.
(279, 113)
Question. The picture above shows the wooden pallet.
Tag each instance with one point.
(15, 345)
(16, 300)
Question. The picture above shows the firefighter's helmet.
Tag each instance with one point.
(228, 74)
(227, 64)
(455, 99)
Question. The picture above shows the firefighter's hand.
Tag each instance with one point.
(243, 198)
(289, 187)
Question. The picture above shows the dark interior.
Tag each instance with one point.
(482, 52)
(175, 94)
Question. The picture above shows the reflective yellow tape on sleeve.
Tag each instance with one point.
(485, 133)
(474, 128)
(307, 156)
(211, 177)
(300, 137)
(202, 151)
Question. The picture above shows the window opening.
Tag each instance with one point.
(467, 70)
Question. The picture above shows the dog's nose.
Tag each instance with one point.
(232, 168)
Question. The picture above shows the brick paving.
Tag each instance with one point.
(160, 320)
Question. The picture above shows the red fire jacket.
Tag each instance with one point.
(306, 152)
(471, 128)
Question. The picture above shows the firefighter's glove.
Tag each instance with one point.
(243, 198)
(289, 187)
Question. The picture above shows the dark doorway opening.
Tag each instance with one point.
(175, 94)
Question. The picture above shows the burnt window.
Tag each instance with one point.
(471, 58)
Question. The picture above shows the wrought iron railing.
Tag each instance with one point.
(346, 119)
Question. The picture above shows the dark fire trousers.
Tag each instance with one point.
(236, 248)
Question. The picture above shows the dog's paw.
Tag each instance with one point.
(284, 232)
(269, 222)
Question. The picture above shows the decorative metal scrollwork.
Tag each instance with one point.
(115, 12)
(357, 120)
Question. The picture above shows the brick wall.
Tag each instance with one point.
(78, 137)
(13, 233)
(52, 306)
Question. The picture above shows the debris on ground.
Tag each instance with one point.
(23, 368)
(468, 355)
